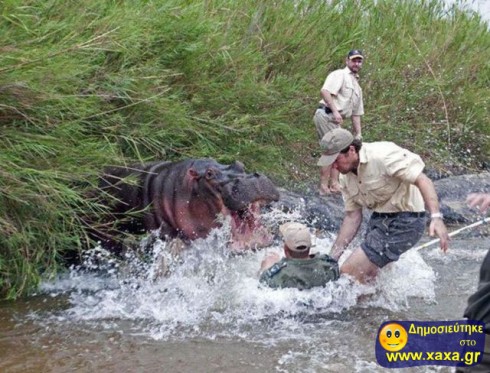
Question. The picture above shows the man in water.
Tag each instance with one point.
(388, 180)
(298, 269)
(479, 302)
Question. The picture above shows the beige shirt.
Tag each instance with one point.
(346, 91)
(384, 180)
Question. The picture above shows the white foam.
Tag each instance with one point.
(210, 292)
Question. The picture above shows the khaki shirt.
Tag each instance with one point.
(384, 180)
(346, 91)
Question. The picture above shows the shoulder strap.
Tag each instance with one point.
(327, 258)
(276, 268)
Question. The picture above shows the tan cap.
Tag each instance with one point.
(332, 143)
(296, 235)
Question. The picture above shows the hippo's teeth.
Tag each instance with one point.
(247, 229)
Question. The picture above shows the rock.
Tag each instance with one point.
(326, 213)
(452, 192)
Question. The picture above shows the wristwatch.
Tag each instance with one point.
(436, 215)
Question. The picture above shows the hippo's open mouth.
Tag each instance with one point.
(247, 231)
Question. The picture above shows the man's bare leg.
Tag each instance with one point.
(334, 181)
(324, 180)
(359, 266)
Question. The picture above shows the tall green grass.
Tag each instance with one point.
(84, 84)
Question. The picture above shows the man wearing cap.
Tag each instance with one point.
(341, 99)
(299, 269)
(388, 180)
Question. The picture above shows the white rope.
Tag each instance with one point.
(454, 233)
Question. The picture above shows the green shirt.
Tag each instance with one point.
(301, 273)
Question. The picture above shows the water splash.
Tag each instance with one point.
(211, 298)
(210, 292)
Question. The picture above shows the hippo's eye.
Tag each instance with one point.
(210, 174)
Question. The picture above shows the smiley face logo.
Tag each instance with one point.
(393, 337)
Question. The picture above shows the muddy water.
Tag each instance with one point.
(210, 315)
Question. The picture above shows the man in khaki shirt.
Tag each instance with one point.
(390, 181)
(341, 99)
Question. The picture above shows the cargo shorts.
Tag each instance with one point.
(323, 122)
(389, 235)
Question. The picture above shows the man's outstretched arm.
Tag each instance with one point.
(348, 230)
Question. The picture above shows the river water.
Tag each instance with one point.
(210, 314)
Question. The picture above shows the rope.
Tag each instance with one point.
(454, 233)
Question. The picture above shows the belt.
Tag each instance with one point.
(326, 108)
(400, 214)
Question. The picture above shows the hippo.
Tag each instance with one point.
(186, 200)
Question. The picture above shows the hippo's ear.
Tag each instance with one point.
(240, 165)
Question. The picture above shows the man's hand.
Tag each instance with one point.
(269, 261)
(337, 117)
(481, 201)
(438, 228)
(429, 195)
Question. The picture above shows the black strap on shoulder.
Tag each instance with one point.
(276, 268)
(328, 259)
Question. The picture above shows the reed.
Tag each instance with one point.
(85, 84)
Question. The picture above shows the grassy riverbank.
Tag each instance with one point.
(85, 84)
